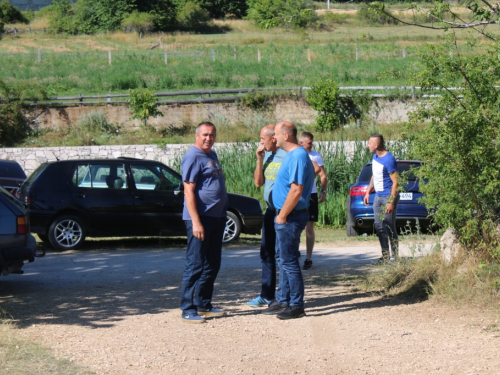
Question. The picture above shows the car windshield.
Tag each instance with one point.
(9, 169)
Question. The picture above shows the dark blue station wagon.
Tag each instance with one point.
(360, 216)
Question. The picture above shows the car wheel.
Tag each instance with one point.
(66, 233)
(232, 230)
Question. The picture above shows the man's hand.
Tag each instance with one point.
(366, 199)
(198, 231)
(322, 197)
(389, 208)
(280, 219)
(260, 151)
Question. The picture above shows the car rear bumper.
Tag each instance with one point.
(12, 259)
(366, 222)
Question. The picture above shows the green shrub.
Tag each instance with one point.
(138, 22)
(335, 18)
(142, 103)
(92, 129)
(373, 17)
(256, 100)
(324, 97)
(192, 15)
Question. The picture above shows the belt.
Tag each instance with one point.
(294, 211)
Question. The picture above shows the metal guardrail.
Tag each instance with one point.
(109, 99)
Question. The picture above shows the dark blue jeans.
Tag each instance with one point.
(202, 265)
(291, 284)
(268, 255)
(385, 224)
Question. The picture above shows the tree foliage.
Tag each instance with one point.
(460, 145)
(287, 13)
(10, 14)
(483, 13)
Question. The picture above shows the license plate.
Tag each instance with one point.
(405, 196)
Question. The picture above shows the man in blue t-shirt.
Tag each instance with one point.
(269, 159)
(205, 206)
(385, 182)
(291, 196)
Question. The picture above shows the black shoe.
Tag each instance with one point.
(308, 264)
(274, 308)
(292, 312)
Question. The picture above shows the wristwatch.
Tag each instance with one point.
(323, 191)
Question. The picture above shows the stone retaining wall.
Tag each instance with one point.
(31, 158)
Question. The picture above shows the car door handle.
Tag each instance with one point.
(140, 197)
(80, 195)
(176, 192)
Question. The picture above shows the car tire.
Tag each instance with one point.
(67, 232)
(232, 230)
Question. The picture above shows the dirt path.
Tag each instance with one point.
(116, 312)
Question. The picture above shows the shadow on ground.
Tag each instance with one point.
(108, 281)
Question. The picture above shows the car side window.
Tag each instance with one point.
(100, 176)
(154, 177)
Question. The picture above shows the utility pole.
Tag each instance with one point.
(327, 4)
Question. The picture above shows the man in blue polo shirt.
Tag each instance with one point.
(291, 195)
(385, 205)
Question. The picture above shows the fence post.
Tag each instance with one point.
(108, 100)
(357, 53)
(258, 55)
(413, 92)
(309, 55)
(81, 100)
(39, 55)
(212, 53)
(109, 57)
(235, 53)
(404, 53)
(166, 57)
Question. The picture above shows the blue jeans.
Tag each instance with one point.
(291, 284)
(268, 255)
(385, 224)
(202, 265)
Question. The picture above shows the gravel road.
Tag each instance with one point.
(115, 311)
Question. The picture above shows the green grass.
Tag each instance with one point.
(19, 356)
(74, 65)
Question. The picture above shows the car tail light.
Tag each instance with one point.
(29, 196)
(358, 190)
(22, 225)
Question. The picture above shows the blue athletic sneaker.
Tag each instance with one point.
(192, 318)
(259, 301)
(211, 312)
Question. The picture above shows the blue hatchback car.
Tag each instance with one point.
(360, 216)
